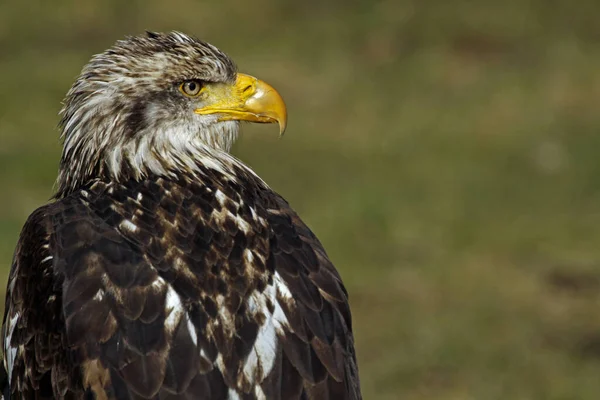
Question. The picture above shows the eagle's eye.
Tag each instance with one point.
(191, 88)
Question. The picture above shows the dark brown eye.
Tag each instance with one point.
(191, 88)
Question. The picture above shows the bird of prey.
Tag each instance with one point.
(165, 268)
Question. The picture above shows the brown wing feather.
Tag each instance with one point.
(317, 343)
(32, 334)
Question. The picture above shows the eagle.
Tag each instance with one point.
(163, 267)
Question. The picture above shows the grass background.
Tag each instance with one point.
(446, 153)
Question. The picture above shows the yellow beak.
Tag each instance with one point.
(248, 99)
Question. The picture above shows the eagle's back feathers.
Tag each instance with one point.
(176, 288)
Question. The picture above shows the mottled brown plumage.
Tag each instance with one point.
(198, 282)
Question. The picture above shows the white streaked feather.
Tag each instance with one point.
(241, 223)
(99, 295)
(221, 214)
(263, 352)
(127, 225)
(281, 286)
(192, 330)
(10, 351)
(174, 309)
(258, 392)
(248, 256)
(220, 196)
(233, 395)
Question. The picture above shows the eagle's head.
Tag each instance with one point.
(156, 104)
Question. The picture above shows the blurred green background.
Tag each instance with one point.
(445, 152)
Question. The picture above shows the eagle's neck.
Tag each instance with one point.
(170, 152)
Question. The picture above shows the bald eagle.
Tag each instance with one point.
(165, 268)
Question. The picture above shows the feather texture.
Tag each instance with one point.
(176, 288)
